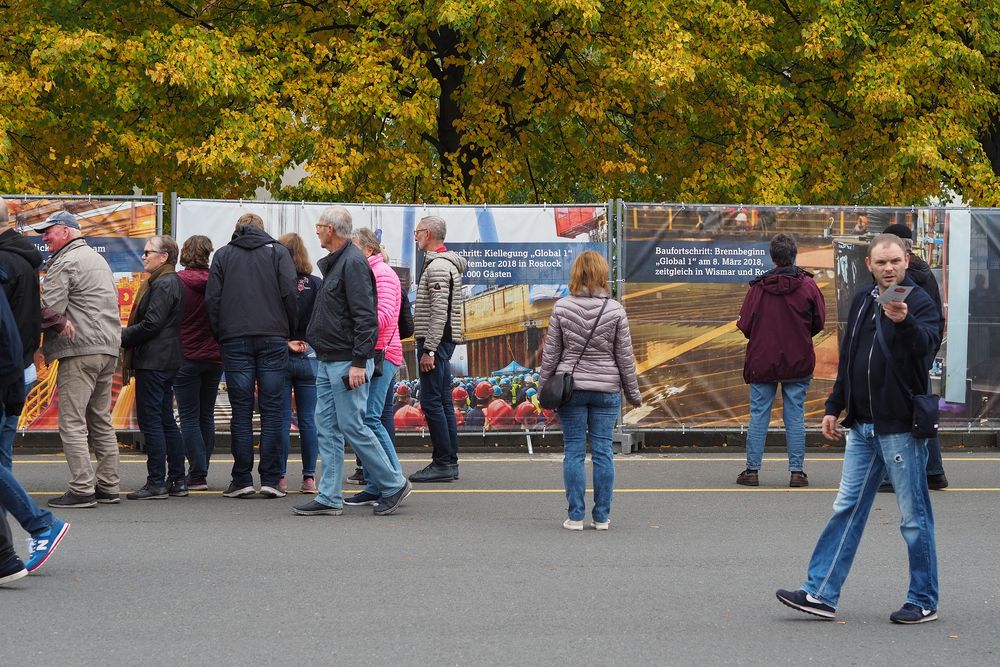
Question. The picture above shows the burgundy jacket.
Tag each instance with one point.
(196, 335)
(781, 313)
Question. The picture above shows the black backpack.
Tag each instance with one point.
(405, 316)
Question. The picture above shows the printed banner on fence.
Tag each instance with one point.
(117, 230)
(687, 270)
(519, 264)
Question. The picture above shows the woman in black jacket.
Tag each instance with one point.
(152, 343)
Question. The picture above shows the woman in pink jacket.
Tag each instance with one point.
(387, 347)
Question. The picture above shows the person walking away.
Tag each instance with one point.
(606, 369)
(19, 262)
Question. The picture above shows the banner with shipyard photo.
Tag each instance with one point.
(686, 270)
(117, 228)
(519, 260)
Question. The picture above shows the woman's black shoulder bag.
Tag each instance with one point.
(558, 389)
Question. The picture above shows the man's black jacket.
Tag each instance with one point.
(20, 259)
(344, 324)
(251, 288)
(912, 343)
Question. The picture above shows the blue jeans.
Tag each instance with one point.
(373, 418)
(196, 386)
(793, 398)
(866, 458)
(435, 401)
(259, 362)
(154, 410)
(13, 498)
(339, 416)
(302, 379)
(596, 412)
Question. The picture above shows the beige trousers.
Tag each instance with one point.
(84, 384)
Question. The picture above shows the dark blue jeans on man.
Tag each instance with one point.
(259, 362)
(435, 401)
(154, 410)
(196, 387)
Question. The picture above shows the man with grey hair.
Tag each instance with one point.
(437, 325)
(251, 304)
(343, 331)
(82, 332)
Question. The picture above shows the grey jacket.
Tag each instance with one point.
(608, 364)
(440, 286)
(80, 287)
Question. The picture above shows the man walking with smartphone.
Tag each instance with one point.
(343, 331)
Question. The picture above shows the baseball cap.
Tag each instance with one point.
(64, 218)
(902, 231)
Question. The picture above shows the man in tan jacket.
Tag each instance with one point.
(82, 331)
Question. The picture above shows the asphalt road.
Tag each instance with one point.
(480, 572)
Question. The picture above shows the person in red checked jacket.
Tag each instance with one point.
(781, 313)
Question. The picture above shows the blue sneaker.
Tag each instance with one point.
(42, 546)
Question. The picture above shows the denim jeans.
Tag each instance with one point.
(154, 410)
(13, 497)
(389, 412)
(339, 416)
(595, 412)
(373, 418)
(196, 386)
(793, 398)
(302, 379)
(259, 362)
(435, 401)
(866, 458)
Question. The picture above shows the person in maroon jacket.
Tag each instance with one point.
(781, 313)
(197, 383)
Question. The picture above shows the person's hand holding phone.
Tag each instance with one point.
(354, 378)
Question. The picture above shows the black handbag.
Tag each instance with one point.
(924, 423)
(558, 389)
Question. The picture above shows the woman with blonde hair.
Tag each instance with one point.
(302, 366)
(589, 330)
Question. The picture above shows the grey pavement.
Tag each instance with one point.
(480, 572)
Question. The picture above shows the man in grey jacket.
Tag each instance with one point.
(82, 331)
(437, 323)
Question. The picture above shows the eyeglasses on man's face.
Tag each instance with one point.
(416, 232)
(321, 225)
(147, 253)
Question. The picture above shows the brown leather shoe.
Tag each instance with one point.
(748, 478)
(798, 479)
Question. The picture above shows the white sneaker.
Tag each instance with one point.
(602, 525)
(272, 492)
(569, 524)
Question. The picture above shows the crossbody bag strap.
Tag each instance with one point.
(591, 335)
(889, 360)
